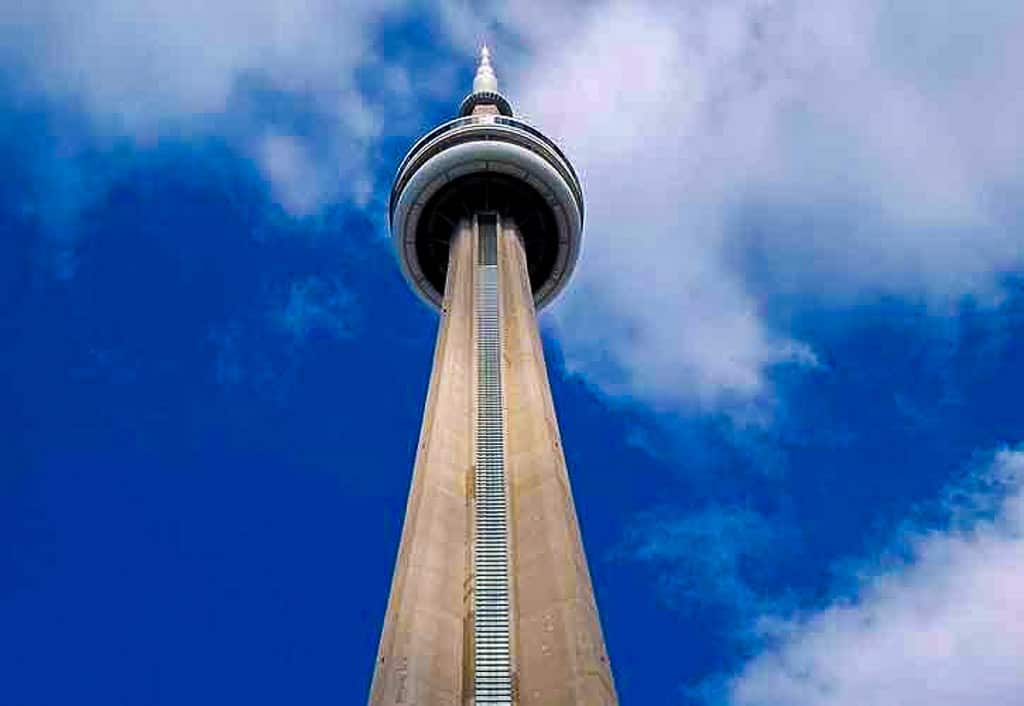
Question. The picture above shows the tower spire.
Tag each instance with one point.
(485, 98)
(486, 81)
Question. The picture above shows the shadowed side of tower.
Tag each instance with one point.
(491, 600)
(559, 649)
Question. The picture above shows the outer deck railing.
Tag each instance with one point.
(484, 127)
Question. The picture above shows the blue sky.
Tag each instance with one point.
(787, 371)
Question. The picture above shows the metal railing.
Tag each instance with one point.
(484, 127)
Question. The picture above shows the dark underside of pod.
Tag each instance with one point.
(487, 192)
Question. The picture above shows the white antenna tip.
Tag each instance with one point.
(485, 81)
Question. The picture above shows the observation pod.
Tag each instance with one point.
(486, 161)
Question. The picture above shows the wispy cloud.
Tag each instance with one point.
(266, 351)
(710, 558)
(941, 621)
(316, 305)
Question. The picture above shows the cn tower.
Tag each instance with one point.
(491, 600)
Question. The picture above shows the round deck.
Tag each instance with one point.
(486, 163)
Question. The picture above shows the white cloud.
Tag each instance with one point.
(833, 149)
(286, 161)
(145, 61)
(945, 628)
(149, 68)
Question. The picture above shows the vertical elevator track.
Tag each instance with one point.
(492, 665)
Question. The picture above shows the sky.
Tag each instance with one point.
(787, 370)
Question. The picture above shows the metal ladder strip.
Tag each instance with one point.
(492, 666)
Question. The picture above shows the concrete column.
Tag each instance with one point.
(426, 652)
(421, 660)
(558, 647)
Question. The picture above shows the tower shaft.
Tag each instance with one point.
(491, 600)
